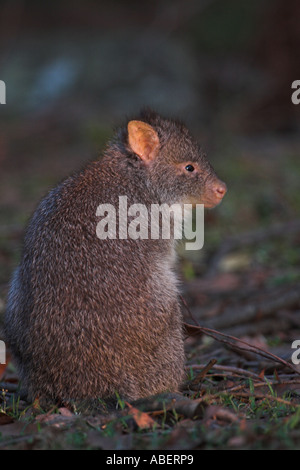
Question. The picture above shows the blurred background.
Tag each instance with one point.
(73, 70)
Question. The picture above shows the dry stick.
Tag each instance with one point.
(188, 310)
(236, 388)
(200, 376)
(203, 372)
(233, 370)
(260, 396)
(250, 348)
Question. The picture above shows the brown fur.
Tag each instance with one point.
(87, 318)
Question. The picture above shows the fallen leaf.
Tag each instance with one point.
(36, 404)
(142, 419)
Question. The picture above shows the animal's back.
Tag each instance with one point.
(79, 302)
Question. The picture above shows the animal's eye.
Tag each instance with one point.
(189, 168)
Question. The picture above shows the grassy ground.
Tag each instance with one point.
(234, 398)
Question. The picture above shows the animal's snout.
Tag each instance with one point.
(219, 189)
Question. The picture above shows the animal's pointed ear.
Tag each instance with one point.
(143, 140)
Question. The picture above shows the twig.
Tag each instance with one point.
(260, 384)
(189, 311)
(203, 372)
(231, 369)
(199, 377)
(250, 348)
(261, 396)
(236, 343)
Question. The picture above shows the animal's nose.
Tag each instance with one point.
(220, 189)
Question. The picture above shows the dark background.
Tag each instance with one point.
(74, 69)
